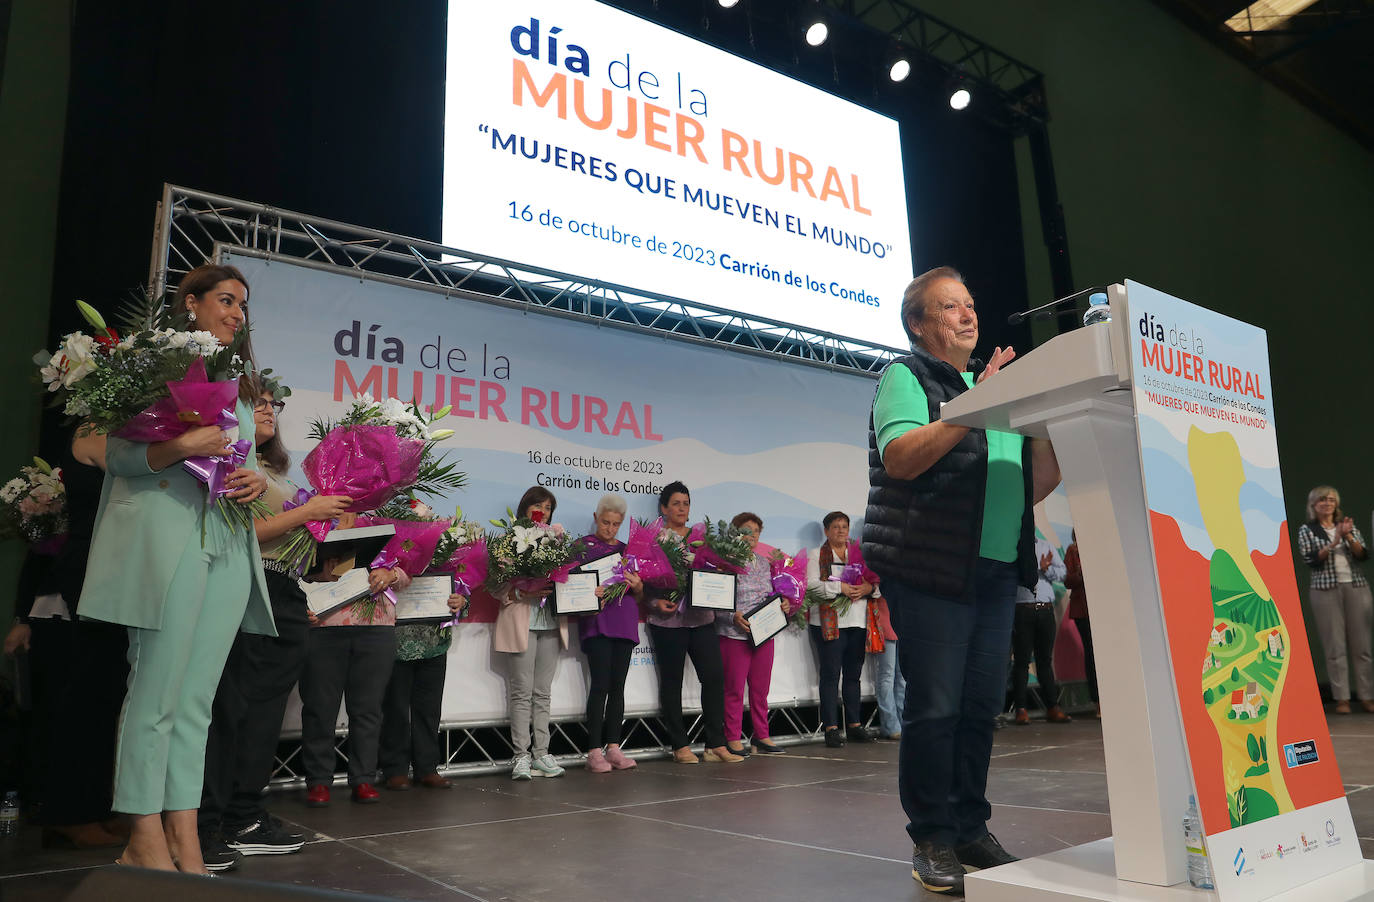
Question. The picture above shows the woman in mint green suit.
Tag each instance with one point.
(182, 599)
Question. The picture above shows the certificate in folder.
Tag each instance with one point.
(766, 620)
(425, 600)
(325, 598)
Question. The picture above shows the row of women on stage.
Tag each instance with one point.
(215, 633)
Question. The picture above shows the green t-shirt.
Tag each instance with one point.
(901, 406)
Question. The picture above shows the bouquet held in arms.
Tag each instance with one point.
(375, 452)
(154, 385)
(855, 573)
(462, 551)
(721, 548)
(33, 507)
(788, 576)
(528, 552)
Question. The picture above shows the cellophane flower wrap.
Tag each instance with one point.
(644, 557)
(721, 548)
(679, 556)
(378, 451)
(855, 573)
(788, 574)
(153, 385)
(526, 552)
(462, 551)
(33, 507)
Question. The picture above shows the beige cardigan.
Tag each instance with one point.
(511, 632)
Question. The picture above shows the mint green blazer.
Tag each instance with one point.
(147, 522)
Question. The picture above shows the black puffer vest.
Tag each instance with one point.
(926, 531)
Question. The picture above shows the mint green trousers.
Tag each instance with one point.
(173, 674)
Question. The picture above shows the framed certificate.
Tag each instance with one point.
(326, 597)
(577, 595)
(713, 591)
(425, 599)
(836, 571)
(603, 567)
(767, 620)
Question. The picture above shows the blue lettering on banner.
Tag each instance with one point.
(1239, 861)
(1296, 754)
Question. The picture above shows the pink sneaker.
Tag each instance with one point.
(597, 763)
(618, 759)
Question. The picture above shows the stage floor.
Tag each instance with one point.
(815, 823)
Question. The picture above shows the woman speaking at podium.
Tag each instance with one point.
(950, 530)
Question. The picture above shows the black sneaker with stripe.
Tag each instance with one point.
(266, 837)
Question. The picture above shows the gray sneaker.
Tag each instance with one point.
(546, 766)
(520, 770)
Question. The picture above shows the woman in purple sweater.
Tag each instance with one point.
(608, 639)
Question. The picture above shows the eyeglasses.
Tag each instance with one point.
(277, 406)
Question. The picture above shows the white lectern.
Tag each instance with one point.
(1076, 390)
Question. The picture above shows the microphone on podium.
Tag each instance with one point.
(1038, 312)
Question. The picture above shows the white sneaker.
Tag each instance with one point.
(546, 766)
(520, 769)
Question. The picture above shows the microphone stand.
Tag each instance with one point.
(1038, 312)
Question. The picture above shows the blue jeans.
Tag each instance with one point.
(954, 658)
(891, 689)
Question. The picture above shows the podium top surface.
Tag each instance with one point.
(1088, 368)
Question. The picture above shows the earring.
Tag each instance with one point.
(191, 315)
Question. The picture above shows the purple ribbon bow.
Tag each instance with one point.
(788, 586)
(627, 564)
(213, 470)
(852, 574)
(385, 561)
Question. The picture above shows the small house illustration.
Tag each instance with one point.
(1247, 700)
(1275, 644)
(1209, 663)
(1219, 634)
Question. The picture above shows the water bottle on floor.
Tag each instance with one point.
(1199, 866)
(9, 814)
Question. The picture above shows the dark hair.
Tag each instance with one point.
(535, 494)
(273, 452)
(673, 488)
(914, 297)
(204, 278)
(746, 517)
(833, 516)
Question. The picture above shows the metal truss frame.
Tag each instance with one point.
(195, 227)
(1018, 88)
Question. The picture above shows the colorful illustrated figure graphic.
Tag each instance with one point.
(1243, 673)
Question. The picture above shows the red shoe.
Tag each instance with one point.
(317, 796)
(364, 794)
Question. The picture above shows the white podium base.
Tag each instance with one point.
(1088, 873)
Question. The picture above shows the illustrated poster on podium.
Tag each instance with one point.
(1268, 788)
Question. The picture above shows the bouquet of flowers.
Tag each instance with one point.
(33, 506)
(528, 551)
(377, 451)
(722, 548)
(678, 553)
(788, 574)
(153, 385)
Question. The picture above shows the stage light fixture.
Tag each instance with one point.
(960, 98)
(817, 33)
(727, 4)
(900, 70)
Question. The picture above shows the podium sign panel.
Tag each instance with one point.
(1269, 791)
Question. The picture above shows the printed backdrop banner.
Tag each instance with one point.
(1268, 788)
(583, 139)
(582, 410)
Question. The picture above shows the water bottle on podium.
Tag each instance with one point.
(1199, 865)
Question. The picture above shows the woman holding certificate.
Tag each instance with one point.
(679, 631)
(608, 638)
(742, 660)
(839, 626)
(528, 634)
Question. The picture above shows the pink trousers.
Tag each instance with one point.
(743, 662)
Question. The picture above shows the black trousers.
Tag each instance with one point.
(410, 717)
(1085, 632)
(1032, 633)
(350, 664)
(79, 670)
(839, 661)
(608, 663)
(672, 646)
(245, 721)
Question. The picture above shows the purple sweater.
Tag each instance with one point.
(619, 619)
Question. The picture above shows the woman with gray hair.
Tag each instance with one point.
(608, 639)
(1341, 602)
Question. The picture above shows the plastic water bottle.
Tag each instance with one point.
(9, 814)
(1199, 865)
(1099, 310)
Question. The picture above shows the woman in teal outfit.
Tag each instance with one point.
(182, 598)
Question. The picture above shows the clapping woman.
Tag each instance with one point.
(1333, 547)
(184, 582)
